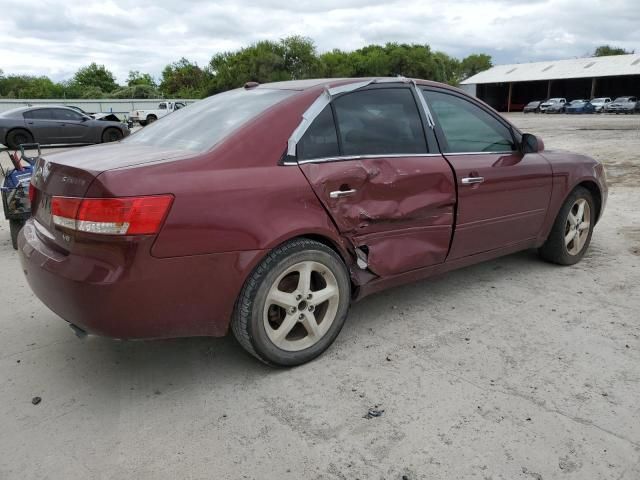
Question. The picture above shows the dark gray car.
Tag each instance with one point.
(56, 125)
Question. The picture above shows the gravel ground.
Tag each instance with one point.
(512, 369)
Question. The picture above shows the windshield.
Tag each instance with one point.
(554, 100)
(532, 104)
(203, 124)
(622, 99)
(598, 100)
(577, 102)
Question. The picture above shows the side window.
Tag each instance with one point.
(67, 115)
(320, 139)
(379, 121)
(466, 127)
(41, 114)
(178, 106)
(162, 106)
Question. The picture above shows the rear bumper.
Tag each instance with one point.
(117, 289)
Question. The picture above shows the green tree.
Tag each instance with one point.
(184, 79)
(136, 91)
(608, 50)
(95, 77)
(137, 78)
(475, 63)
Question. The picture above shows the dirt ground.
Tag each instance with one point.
(512, 369)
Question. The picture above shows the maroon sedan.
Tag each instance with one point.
(270, 208)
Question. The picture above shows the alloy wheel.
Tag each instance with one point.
(577, 226)
(301, 306)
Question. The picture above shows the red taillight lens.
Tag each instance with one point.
(32, 193)
(111, 216)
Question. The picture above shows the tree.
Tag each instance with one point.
(184, 79)
(137, 78)
(608, 50)
(96, 76)
(475, 63)
(136, 91)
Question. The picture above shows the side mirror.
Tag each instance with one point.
(531, 143)
(84, 119)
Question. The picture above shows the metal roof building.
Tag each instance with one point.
(510, 87)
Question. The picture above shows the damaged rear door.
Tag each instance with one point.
(366, 157)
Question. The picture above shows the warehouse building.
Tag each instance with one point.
(510, 87)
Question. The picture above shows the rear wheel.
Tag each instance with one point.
(572, 229)
(17, 137)
(294, 304)
(151, 119)
(111, 135)
(14, 229)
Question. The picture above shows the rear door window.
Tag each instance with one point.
(379, 121)
(40, 114)
(320, 140)
(466, 127)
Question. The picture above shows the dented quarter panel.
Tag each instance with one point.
(402, 209)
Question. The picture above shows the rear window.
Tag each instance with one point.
(201, 125)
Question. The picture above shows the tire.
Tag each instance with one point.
(17, 137)
(142, 123)
(257, 319)
(14, 229)
(151, 119)
(556, 249)
(111, 135)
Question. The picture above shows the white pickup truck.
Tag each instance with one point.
(144, 117)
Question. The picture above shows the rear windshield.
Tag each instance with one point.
(203, 124)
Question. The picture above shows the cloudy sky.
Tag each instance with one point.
(56, 37)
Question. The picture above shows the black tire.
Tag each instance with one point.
(555, 249)
(14, 229)
(248, 322)
(111, 135)
(17, 137)
(142, 123)
(151, 119)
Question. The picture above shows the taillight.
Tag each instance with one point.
(32, 193)
(111, 216)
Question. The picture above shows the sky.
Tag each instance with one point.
(55, 38)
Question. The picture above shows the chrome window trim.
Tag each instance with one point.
(423, 103)
(480, 153)
(344, 158)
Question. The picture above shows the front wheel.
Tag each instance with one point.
(18, 137)
(111, 135)
(294, 304)
(572, 229)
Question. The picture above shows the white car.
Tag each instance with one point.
(552, 102)
(143, 117)
(600, 103)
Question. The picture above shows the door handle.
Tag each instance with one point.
(472, 180)
(342, 193)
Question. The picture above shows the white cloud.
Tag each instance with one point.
(55, 38)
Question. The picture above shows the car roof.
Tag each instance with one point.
(333, 82)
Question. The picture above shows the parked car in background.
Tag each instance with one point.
(317, 193)
(56, 125)
(556, 103)
(599, 103)
(144, 117)
(532, 107)
(622, 105)
(579, 106)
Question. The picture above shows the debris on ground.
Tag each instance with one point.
(36, 400)
(374, 413)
